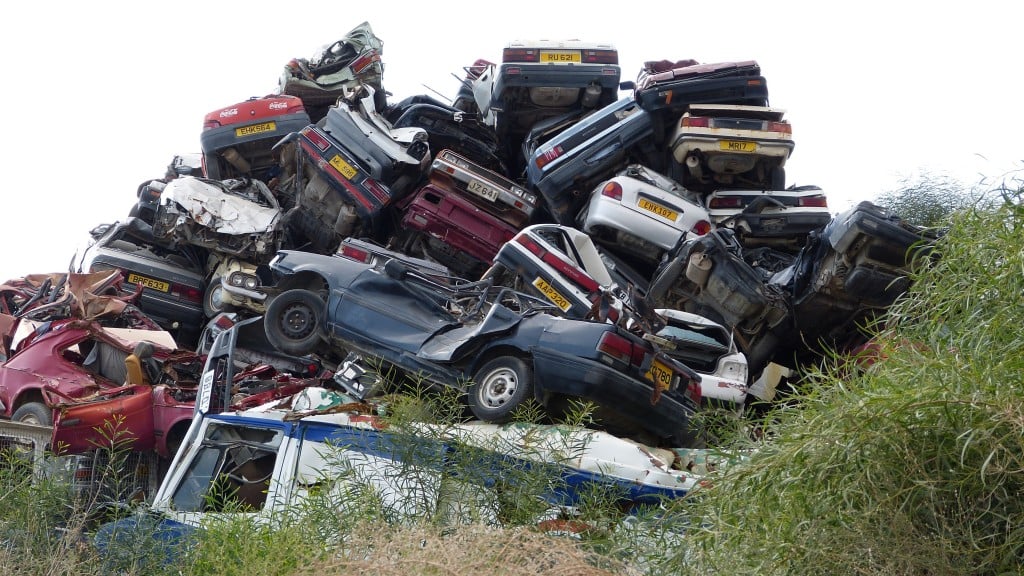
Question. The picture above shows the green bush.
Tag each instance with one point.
(914, 465)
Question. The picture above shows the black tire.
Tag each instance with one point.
(499, 387)
(211, 305)
(293, 322)
(33, 413)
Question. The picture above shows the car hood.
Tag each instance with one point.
(210, 204)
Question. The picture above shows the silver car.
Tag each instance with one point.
(640, 214)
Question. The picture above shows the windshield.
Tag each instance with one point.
(232, 470)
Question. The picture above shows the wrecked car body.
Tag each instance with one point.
(789, 308)
(270, 458)
(505, 344)
(347, 170)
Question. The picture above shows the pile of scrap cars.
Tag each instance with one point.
(539, 238)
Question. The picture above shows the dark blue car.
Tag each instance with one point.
(498, 346)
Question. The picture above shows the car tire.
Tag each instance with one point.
(499, 387)
(211, 298)
(33, 413)
(293, 322)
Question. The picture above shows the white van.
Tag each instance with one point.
(269, 459)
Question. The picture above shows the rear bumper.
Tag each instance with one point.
(572, 375)
(562, 75)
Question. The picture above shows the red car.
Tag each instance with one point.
(73, 376)
(237, 139)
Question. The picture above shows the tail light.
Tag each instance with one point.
(223, 322)
(725, 202)
(547, 156)
(781, 127)
(353, 253)
(813, 202)
(600, 57)
(695, 122)
(187, 293)
(520, 55)
(561, 266)
(364, 60)
(701, 228)
(621, 349)
(693, 391)
(378, 190)
(612, 190)
(316, 138)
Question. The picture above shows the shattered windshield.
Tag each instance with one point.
(232, 470)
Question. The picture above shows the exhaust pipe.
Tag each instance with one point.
(693, 165)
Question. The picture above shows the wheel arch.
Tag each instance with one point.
(504, 349)
(26, 396)
(306, 279)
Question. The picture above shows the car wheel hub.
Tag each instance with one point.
(498, 388)
(297, 321)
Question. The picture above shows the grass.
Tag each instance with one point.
(912, 466)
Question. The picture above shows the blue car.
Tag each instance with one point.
(566, 168)
(499, 347)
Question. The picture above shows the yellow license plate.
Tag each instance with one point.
(345, 168)
(737, 146)
(560, 56)
(658, 209)
(551, 294)
(255, 129)
(660, 374)
(149, 283)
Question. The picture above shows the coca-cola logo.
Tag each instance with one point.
(229, 112)
(278, 105)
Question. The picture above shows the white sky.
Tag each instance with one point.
(99, 96)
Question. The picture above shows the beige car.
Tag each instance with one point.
(719, 146)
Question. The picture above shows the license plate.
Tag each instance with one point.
(551, 294)
(255, 129)
(737, 146)
(149, 283)
(345, 168)
(658, 209)
(482, 190)
(560, 56)
(660, 374)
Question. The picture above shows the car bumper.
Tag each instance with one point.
(171, 314)
(774, 224)
(562, 75)
(572, 375)
(686, 143)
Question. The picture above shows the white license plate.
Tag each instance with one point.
(482, 190)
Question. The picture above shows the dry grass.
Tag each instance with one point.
(463, 551)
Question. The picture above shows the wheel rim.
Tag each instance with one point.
(498, 387)
(30, 419)
(215, 300)
(297, 321)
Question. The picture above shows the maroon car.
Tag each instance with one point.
(74, 376)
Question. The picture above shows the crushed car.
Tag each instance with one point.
(500, 347)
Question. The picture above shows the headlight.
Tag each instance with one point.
(243, 280)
